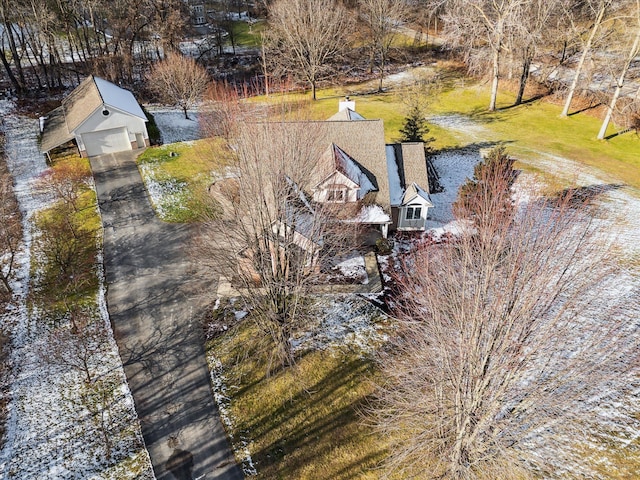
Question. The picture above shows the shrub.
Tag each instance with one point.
(384, 246)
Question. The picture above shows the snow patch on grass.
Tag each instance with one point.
(351, 267)
(343, 321)
(462, 124)
(221, 397)
(168, 195)
(173, 126)
(51, 433)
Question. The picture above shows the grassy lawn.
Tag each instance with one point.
(527, 129)
(536, 127)
(67, 243)
(177, 177)
(304, 422)
(248, 35)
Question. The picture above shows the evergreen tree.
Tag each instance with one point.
(415, 129)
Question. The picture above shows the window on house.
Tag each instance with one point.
(413, 213)
(337, 195)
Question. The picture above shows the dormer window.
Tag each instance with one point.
(336, 195)
(413, 213)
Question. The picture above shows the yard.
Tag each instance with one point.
(307, 421)
(300, 401)
(554, 154)
(57, 419)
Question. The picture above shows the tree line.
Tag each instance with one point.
(46, 43)
(573, 46)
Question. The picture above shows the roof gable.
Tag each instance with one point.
(362, 142)
(337, 178)
(415, 194)
(355, 172)
(81, 103)
(93, 93)
(119, 98)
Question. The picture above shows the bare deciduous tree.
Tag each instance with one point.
(382, 18)
(597, 8)
(79, 346)
(271, 238)
(179, 80)
(534, 28)
(65, 246)
(620, 81)
(478, 24)
(66, 182)
(169, 20)
(508, 342)
(305, 36)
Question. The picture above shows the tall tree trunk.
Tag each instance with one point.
(583, 57)
(382, 65)
(620, 83)
(524, 76)
(497, 50)
(263, 64)
(14, 52)
(496, 78)
(14, 81)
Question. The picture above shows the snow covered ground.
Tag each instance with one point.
(50, 432)
(454, 168)
(173, 126)
(618, 220)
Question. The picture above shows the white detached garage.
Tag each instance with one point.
(99, 117)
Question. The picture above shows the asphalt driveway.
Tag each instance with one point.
(154, 304)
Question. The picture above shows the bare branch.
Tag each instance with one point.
(508, 344)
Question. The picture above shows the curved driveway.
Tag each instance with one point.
(155, 305)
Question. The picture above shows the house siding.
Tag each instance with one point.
(97, 122)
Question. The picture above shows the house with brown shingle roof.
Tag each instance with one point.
(379, 185)
(99, 117)
(398, 171)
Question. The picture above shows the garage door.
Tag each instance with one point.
(106, 141)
